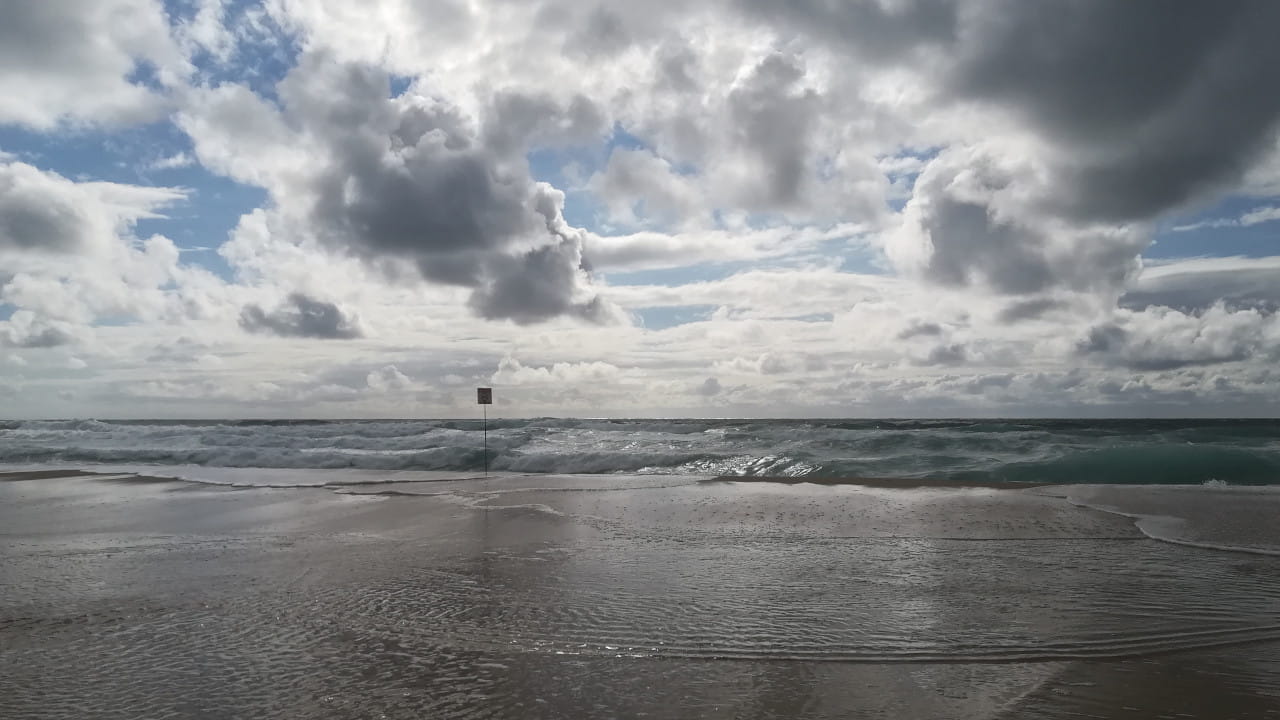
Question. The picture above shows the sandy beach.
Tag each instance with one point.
(242, 594)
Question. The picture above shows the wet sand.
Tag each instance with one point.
(625, 596)
(900, 483)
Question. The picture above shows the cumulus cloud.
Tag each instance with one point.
(977, 218)
(301, 316)
(951, 354)
(410, 179)
(513, 372)
(25, 329)
(1029, 309)
(45, 212)
(773, 114)
(388, 379)
(1161, 338)
(79, 60)
(68, 250)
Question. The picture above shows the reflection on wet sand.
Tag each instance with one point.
(626, 597)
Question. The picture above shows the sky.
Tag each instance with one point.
(730, 208)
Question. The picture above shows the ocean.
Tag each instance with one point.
(968, 569)
(1037, 451)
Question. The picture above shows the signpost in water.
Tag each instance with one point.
(484, 396)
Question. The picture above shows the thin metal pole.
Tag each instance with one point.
(486, 440)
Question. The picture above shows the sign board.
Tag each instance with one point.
(484, 396)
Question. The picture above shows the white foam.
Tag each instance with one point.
(1220, 517)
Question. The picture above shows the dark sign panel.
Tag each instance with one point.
(484, 396)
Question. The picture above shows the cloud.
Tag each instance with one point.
(406, 180)
(68, 250)
(301, 316)
(1029, 309)
(638, 188)
(773, 114)
(78, 61)
(976, 219)
(1134, 91)
(43, 212)
(1128, 98)
(1197, 284)
(516, 121)
(512, 372)
(709, 387)
(178, 160)
(207, 31)
(657, 250)
(1256, 216)
(950, 354)
(774, 363)
(24, 329)
(874, 206)
(872, 30)
(918, 329)
(388, 379)
(1160, 338)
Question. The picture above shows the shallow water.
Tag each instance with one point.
(537, 596)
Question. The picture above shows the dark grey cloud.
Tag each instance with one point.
(947, 355)
(772, 116)
(301, 316)
(411, 179)
(515, 120)
(1104, 338)
(1029, 309)
(709, 387)
(529, 288)
(35, 215)
(921, 329)
(1166, 100)
(1154, 103)
(604, 32)
(675, 68)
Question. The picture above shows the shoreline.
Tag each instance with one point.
(890, 483)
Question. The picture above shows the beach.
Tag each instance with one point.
(342, 593)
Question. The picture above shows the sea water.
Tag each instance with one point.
(1040, 451)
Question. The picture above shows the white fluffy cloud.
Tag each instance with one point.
(68, 255)
(84, 62)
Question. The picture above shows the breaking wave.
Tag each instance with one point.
(1122, 452)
